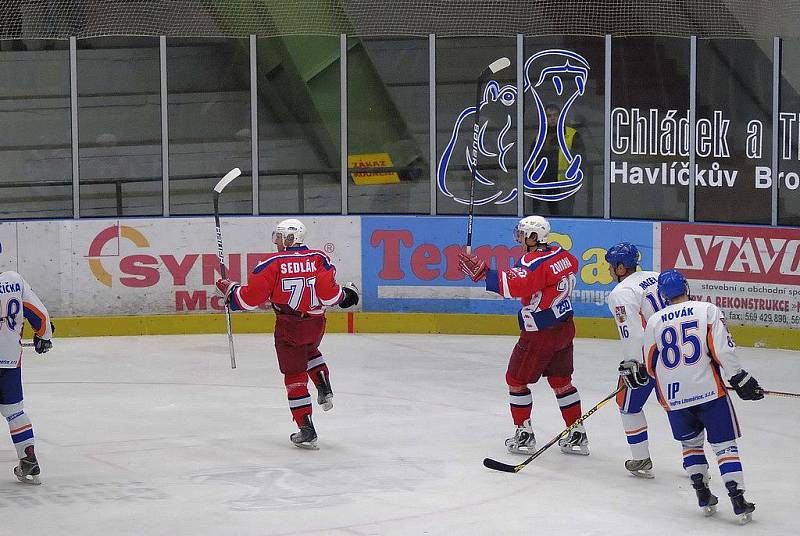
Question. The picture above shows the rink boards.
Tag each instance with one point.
(156, 275)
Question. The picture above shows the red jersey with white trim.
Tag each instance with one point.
(301, 278)
(543, 280)
(18, 302)
(684, 346)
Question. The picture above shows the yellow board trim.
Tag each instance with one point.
(445, 323)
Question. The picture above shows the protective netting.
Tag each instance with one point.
(59, 19)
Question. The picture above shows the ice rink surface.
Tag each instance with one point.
(158, 436)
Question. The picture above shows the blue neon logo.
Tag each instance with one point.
(560, 62)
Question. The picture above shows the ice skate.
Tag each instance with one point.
(306, 437)
(523, 442)
(28, 470)
(324, 391)
(743, 509)
(706, 500)
(576, 442)
(640, 468)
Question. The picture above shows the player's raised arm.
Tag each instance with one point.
(257, 291)
(517, 282)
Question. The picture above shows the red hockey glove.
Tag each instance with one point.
(226, 287)
(472, 266)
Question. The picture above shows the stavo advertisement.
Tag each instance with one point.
(411, 263)
(751, 273)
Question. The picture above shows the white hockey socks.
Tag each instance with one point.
(635, 425)
(694, 457)
(730, 468)
(19, 425)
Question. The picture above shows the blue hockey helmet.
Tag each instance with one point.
(671, 284)
(623, 253)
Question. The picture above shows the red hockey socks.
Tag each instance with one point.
(299, 399)
(569, 401)
(521, 404)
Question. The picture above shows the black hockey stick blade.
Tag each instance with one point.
(500, 466)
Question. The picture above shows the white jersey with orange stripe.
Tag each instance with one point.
(685, 345)
(632, 302)
(18, 302)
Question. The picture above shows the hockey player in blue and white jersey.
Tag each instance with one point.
(18, 302)
(687, 348)
(632, 302)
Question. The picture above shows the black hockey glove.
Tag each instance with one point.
(747, 387)
(42, 346)
(633, 374)
(350, 295)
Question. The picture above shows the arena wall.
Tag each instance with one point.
(156, 275)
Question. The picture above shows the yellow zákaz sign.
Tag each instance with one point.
(372, 160)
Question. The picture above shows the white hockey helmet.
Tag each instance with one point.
(529, 225)
(291, 228)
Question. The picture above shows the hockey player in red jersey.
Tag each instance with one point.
(299, 283)
(543, 280)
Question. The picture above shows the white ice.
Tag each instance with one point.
(158, 436)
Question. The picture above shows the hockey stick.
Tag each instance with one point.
(232, 174)
(27, 344)
(770, 393)
(494, 67)
(500, 466)
(781, 393)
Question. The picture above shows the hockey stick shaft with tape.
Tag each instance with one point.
(500, 466)
(781, 393)
(232, 174)
(494, 67)
(767, 392)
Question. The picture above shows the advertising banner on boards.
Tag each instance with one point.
(157, 265)
(411, 263)
(751, 273)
